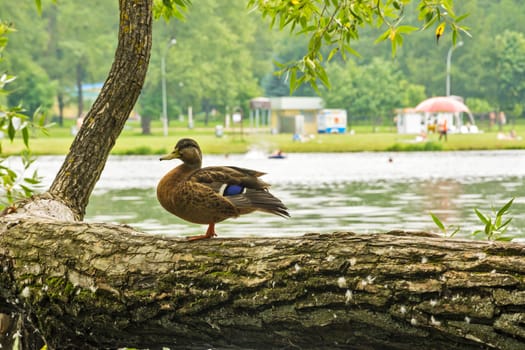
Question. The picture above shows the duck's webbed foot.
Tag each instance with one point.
(210, 233)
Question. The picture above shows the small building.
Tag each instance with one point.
(296, 115)
(331, 121)
(260, 108)
(408, 121)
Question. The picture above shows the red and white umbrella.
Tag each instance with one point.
(442, 104)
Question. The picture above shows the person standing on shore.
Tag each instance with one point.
(443, 130)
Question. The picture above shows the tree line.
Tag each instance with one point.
(226, 54)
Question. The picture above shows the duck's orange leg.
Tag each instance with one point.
(210, 232)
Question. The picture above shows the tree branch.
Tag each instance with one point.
(106, 286)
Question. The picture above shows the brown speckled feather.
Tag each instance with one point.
(230, 176)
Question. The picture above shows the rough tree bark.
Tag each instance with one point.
(104, 286)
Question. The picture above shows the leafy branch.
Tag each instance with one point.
(336, 23)
(14, 184)
(494, 229)
(170, 8)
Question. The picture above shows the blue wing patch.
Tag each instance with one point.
(231, 190)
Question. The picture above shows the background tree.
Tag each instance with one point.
(76, 53)
(420, 60)
(37, 90)
(33, 88)
(510, 68)
(377, 92)
(219, 58)
(53, 52)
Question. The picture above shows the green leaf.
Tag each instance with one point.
(314, 86)
(430, 21)
(481, 216)
(183, 3)
(332, 53)
(505, 208)
(38, 4)
(293, 80)
(438, 222)
(398, 41)
(462, 17)
(497, 221)
(10, 173)
(505, 224)
(25, 136)
(167, 3)
(27, 191)
(279, 64)
(488, 228)
(321, 73)
(351, 51)
(456, 230)
(477, 232)
(32, 181)
(383, 36)
(11, 130)
(406, 29)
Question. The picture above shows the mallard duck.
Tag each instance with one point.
(212, 194)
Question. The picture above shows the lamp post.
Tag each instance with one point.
(449, 58)
(163, 81)
(237, 117)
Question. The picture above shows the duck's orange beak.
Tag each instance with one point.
(173, 155)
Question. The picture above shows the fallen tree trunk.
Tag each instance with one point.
(102, 286)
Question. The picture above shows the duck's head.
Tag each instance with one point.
(188, 151)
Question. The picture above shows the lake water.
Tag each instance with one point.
(359, 192)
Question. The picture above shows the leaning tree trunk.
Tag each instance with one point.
(104, 122)
(104, 286)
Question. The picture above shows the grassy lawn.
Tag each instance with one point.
(132, 141)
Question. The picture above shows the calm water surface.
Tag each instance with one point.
(359, 192)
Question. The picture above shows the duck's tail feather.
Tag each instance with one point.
(260, 200)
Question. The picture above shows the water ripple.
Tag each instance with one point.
(360, 192)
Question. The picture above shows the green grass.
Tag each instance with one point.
(132, 141)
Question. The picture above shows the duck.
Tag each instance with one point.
(212, 194)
